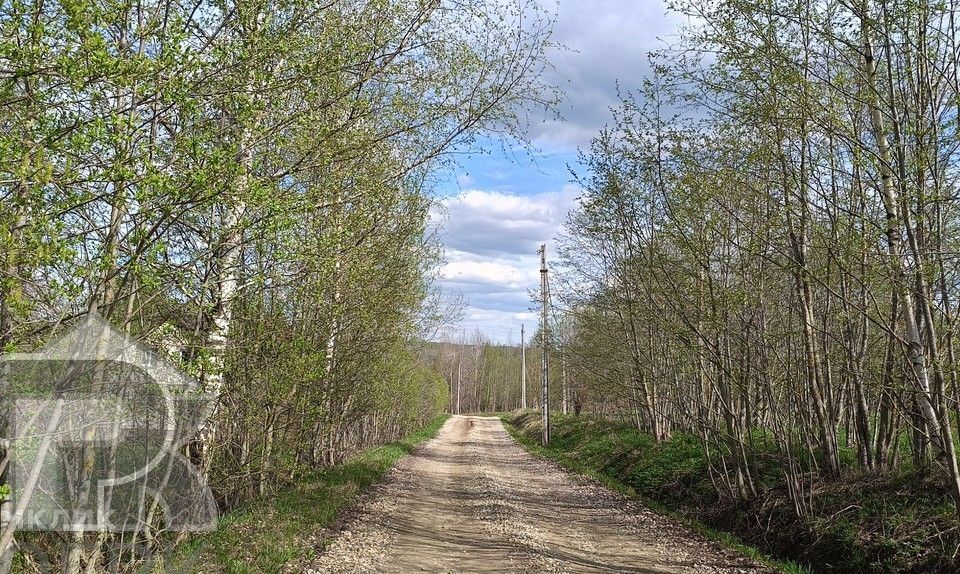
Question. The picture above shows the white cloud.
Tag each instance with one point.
(498, 326)
(491, 238)
(491, 241)
(495, 224)
(485, 273)
(605, 41)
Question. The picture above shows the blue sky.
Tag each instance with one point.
(497, 207)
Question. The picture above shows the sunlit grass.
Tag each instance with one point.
(604, 456)
(263, 536)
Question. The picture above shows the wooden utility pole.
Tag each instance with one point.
(523, 369)
(544, 361)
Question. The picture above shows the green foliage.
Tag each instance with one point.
(591, 445)
(665, 471)
(264, 536)
(864, 523)
(245, 185)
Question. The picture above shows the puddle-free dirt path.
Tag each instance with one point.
(472, 500)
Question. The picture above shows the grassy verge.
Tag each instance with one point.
(265, 535)
(627, 461)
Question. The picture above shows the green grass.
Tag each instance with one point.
(267, 534)
(628, 461)
(885, 522)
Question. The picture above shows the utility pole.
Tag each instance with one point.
(544, 361)
(523, 369)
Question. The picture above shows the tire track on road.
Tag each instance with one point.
(472, 500)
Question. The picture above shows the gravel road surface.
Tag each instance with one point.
(472, 500)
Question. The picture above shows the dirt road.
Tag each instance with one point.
(472, 500)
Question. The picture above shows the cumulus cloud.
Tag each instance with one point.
(501, 224)
(491, 240)
(487, 273)
(500, 209)
(605, 41)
